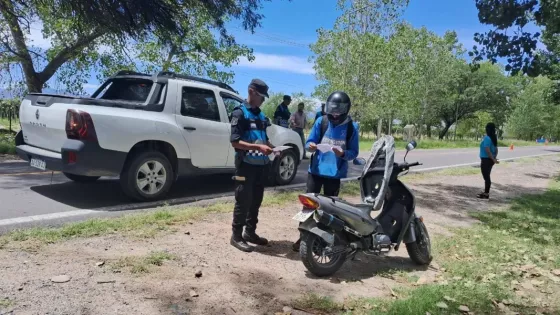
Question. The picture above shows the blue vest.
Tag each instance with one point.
(255, 133)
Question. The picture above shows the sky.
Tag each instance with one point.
(281, 44)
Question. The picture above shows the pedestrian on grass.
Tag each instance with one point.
(336, 129)
(282, 113)
(252, 148)
(488, 157)
(298, 121)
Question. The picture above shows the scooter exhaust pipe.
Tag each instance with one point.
(329, 220)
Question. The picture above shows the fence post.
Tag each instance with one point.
(10, 119)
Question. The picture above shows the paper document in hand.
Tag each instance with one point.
(277, 150)
(280, 148)
(324, 147)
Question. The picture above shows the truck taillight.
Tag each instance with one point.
(79, 126)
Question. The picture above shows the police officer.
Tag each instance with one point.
(326, 169)
(252, 148)
(282, 113)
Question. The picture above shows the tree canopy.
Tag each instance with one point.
(103, 36)
(511, 40)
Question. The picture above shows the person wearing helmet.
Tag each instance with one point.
(337, 130)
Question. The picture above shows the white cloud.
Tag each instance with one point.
(285, 63)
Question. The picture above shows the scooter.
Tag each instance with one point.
(333, 230)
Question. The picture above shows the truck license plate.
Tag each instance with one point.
(303, 215)
(40, 164)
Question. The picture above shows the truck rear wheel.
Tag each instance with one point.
(81, 178)
(147, 176)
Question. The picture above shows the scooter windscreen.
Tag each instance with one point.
(377, 171)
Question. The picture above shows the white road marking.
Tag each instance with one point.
(67, 214)
(43, 217)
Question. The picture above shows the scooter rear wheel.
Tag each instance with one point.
(420, 251)
(312, 255)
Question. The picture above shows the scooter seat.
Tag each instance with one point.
(364, 207)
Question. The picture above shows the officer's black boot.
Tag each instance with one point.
(252, 237)
(238, 242)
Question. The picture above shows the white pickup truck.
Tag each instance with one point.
(147, 129)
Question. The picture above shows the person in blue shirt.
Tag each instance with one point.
(488, 157)
(326, 169)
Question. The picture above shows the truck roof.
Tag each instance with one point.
(165, 75)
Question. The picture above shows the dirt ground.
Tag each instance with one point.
(232, 282)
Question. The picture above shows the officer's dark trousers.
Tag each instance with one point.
(249, 190)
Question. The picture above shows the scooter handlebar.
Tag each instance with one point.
(414, 164)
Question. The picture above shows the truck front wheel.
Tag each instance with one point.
(147, 176)
(285, 168)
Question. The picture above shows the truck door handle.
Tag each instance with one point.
(189, 128)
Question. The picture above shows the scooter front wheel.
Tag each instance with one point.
(420, 251)
(315, 257)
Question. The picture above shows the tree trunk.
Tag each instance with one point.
(379, 127)
(428, 131)
(444, 131)
(389, 125)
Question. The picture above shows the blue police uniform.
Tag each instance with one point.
(282, 115)
(255, 132)
(249, 125)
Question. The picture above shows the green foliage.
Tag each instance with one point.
(270, 105)
(410, 74)
(512, 41)
(183, 36)
(534, 114)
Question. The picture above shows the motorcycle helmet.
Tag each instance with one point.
(337, 107)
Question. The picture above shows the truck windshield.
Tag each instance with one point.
(127, 89)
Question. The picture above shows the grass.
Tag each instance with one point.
(5, 303)
(5, 123)
(365, 144)
(150, 224)
(485, 265)
(7, 143)
(143, 264)
(144, 225)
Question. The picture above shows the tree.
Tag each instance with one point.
(86, 36)
(510, 39)
(354, 56)
(534, 114)
(269, 106)
(486, 89)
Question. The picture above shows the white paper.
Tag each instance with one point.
(277, 150)
(280, 148)
(324, 147)
(327, 147)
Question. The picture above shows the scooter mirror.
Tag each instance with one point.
(411, 145)
(359, 161)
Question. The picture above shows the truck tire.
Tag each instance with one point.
(285, 168)
(147, 176)
(81, 178)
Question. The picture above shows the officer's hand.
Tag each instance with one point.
(338, 152)
(312, 147)
(264, 149)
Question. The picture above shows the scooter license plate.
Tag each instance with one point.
(303, 215)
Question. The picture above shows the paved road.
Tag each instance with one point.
(28, 195)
